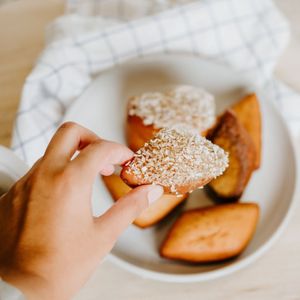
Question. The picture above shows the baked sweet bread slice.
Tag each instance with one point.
(154, 213)
(248, 112)
(178, 159)
(211, 234)
(137, 133)
(180, 105)
(230, 135)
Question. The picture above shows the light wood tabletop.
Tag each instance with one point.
(274, 276)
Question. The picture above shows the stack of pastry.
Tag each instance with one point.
(168, 131)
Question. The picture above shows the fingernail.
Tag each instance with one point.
(107, 170)
(128, 155)
(155, 193)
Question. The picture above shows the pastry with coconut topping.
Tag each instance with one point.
(185, 105)
(177, 158)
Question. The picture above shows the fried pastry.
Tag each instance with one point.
(230, 135)
(211, 234)
(178, 159)
(181, 105)
(248, 112)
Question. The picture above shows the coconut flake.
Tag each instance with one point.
(183, 104)
(177, 156)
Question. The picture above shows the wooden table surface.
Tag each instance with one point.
(274, 276)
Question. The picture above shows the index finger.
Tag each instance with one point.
(100, 156)
(69, 138)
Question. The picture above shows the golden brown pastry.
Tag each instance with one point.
(211, 234)
(154, 213)
(181, 105)
(230, 135)
(248, 112)
(137, 133)
(178, 159)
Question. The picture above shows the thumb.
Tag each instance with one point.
(116, 219)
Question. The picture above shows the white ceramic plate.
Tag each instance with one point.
(102, 109)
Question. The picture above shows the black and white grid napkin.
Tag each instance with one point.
(95, 35)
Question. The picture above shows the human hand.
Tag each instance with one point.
(50, 242)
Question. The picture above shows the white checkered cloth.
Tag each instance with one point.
(246, 35)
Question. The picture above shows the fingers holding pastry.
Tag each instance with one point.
(95, 154)
(101, 156)
(116, 219)
(178, 159)
(154, 213)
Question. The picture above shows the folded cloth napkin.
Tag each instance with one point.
(246, 35)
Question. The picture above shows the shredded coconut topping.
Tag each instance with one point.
(183, 104)
(177, 156)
